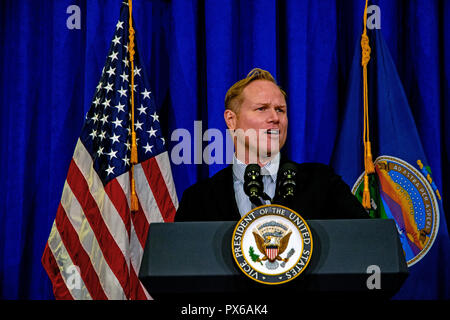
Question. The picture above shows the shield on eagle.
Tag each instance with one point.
(271, 252)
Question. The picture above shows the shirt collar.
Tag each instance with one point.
(270, 168)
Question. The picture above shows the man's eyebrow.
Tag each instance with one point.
(268, 104)
(260, 104)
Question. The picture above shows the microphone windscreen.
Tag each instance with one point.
(252, 169)
(288, 166)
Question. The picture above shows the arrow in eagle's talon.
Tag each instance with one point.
(290, 254)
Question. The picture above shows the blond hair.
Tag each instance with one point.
(234, 98)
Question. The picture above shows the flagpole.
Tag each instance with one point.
(133, 157)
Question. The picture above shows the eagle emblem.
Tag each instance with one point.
(272, 239)
(272, 244)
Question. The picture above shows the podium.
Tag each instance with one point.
(194, 259)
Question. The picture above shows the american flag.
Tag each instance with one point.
(96, 243)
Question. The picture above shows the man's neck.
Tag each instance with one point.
(261, 161)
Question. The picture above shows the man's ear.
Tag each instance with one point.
(230, 119)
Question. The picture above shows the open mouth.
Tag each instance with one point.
(273, 131)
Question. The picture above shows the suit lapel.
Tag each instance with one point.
(283, 160)
(226, 198)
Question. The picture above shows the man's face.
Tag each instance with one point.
(262, 118)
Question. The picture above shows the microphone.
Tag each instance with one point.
(253, 184)
(287, 181)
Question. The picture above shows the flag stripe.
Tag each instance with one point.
(78, 255)
(111, 251)
(90, 244)
(140, 226)
(137, 292)
(51, 267)
(166, 172)
(137, 251)
(114, 221)
(70, 272)
(140, 223)
(137, 237)
(145, 194)
(119, 200)
(159, 189)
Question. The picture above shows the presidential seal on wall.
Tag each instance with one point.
(272, 244)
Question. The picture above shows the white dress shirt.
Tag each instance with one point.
(269, 173)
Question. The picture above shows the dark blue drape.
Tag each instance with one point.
(192, 51)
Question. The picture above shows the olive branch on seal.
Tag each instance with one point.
(254, 256)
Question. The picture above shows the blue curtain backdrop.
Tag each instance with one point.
(192, 51)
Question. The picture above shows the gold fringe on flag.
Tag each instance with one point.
(134, 157)
(368, 162)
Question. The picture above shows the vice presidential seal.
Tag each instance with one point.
(272, 244)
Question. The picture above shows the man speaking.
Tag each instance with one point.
(256, 115)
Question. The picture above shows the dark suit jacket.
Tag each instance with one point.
(320, 194)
